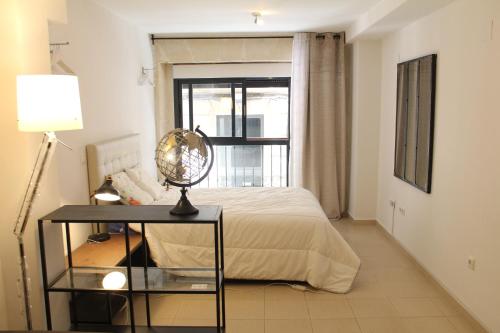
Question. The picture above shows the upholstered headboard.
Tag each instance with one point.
(111, 156)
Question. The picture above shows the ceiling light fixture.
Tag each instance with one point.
(257, 18)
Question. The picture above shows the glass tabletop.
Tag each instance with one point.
(152, 279)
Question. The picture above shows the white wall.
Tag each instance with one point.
(106, 53)
(24, 34)
(365, 77)
(232, 70)
(461, 216)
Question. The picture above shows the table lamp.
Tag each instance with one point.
(45, 103)
(106, 192)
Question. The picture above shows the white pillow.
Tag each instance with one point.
(129, 190)
(146, 182)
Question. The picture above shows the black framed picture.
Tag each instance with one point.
(415, 121)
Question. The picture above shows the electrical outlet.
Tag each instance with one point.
(471, 263)
(402, 211)
(392, 203)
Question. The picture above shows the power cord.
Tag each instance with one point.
(124, 306)
(297, 287)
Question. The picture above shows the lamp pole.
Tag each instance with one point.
(43, 159)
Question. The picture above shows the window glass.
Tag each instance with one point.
(185, 106)
(400, 155)
(411, 121)
(424, 123)
(210, 101)
(267, 112)
(238, 110)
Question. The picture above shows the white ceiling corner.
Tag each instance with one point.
(196, 18)
(227, 17)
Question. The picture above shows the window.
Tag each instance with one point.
(247, 121)
(415, 121)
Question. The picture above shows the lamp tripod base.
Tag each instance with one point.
(184, 207)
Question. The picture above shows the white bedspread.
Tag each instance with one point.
(269, 234)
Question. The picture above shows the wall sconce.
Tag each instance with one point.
(146, 76)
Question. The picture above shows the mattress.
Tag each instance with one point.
(269, 234)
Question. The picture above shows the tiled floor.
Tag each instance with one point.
(390, 295)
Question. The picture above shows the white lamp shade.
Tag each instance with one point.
(48, 103)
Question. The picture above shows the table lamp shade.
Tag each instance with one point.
(107, 192)
(48, 103)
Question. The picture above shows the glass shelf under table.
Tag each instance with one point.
(161, 280)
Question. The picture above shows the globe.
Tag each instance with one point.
(185, 158)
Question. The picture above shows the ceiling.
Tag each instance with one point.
(227, 17)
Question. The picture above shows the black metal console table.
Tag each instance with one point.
(139, 280)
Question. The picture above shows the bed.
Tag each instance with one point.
(269, 233)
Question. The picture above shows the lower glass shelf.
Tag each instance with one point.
(152, 279)
(145, 329)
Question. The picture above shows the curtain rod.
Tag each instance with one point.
(231, 62)
(153, 38)
(323, 35)
(320, 35)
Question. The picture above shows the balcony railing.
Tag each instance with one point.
(248, 166)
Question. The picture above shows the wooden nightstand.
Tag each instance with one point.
(108, 253)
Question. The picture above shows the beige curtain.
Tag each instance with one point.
(164, 99)
(318, 119)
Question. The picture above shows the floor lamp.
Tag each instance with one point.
(45, 103)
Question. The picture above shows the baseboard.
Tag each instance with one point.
(358, 219)
(365, 222)
(465, 311)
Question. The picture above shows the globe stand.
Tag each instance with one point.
(184, 207)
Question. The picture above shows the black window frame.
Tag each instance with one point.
(235, 82)
(403, 112)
